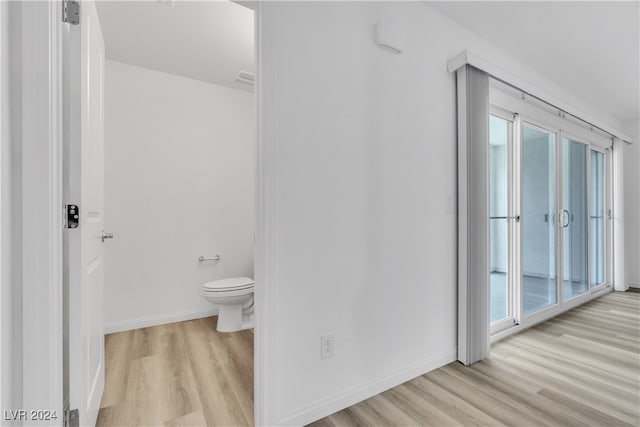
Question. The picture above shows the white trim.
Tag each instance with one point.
(619, 282)
(353, 395)
(10, 310)
(608, 226)
(42, 206)
(160, 319)
(516, 208)
(265, 373)
(4, 284)
(466, 57)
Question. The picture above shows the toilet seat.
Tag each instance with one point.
(231, 284)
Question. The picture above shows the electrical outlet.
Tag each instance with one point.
(326, 345)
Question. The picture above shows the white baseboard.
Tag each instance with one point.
(634, 285)
(335, 403)
(160, 319)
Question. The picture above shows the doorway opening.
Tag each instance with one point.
(162, 166)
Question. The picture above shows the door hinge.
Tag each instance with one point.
(71, 216)
(72, 418)
(71, 11)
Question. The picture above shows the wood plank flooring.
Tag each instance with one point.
(579, 369)
(180, 374)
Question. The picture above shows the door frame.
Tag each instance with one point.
(42, 209)
(38, 223)
(588, 146)
(5, 285)
(513, 207)
(608, 188)
(264, 367)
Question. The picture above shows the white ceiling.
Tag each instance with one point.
(210, 41)
(590, 48)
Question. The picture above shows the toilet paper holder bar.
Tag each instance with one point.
(213, 258)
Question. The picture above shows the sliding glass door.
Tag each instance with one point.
(538, 199)
(597, 219)
(548, 220)
(501, 294)
(574, 218)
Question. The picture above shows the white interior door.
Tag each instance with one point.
(84, 163)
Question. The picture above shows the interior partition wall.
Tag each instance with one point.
(549, 223)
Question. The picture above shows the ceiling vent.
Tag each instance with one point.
(246, 77)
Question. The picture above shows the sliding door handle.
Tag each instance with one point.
(516, 217)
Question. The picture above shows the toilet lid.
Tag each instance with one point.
(231, 283)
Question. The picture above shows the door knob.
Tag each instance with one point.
(106, 236)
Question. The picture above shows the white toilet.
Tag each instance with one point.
(234, 296)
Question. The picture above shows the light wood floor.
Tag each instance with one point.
(180, 374)
(579, 369)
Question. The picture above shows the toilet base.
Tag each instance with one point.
(248, 321)
(233, 318)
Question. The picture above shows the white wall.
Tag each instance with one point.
(359, 160)
(179, 183)
(632, 204)
(11, 364)
(6, 287)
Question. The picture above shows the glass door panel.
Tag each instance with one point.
(548, 227)
(574, 219)
(500, 291)
(539, 284)
(597, 218)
